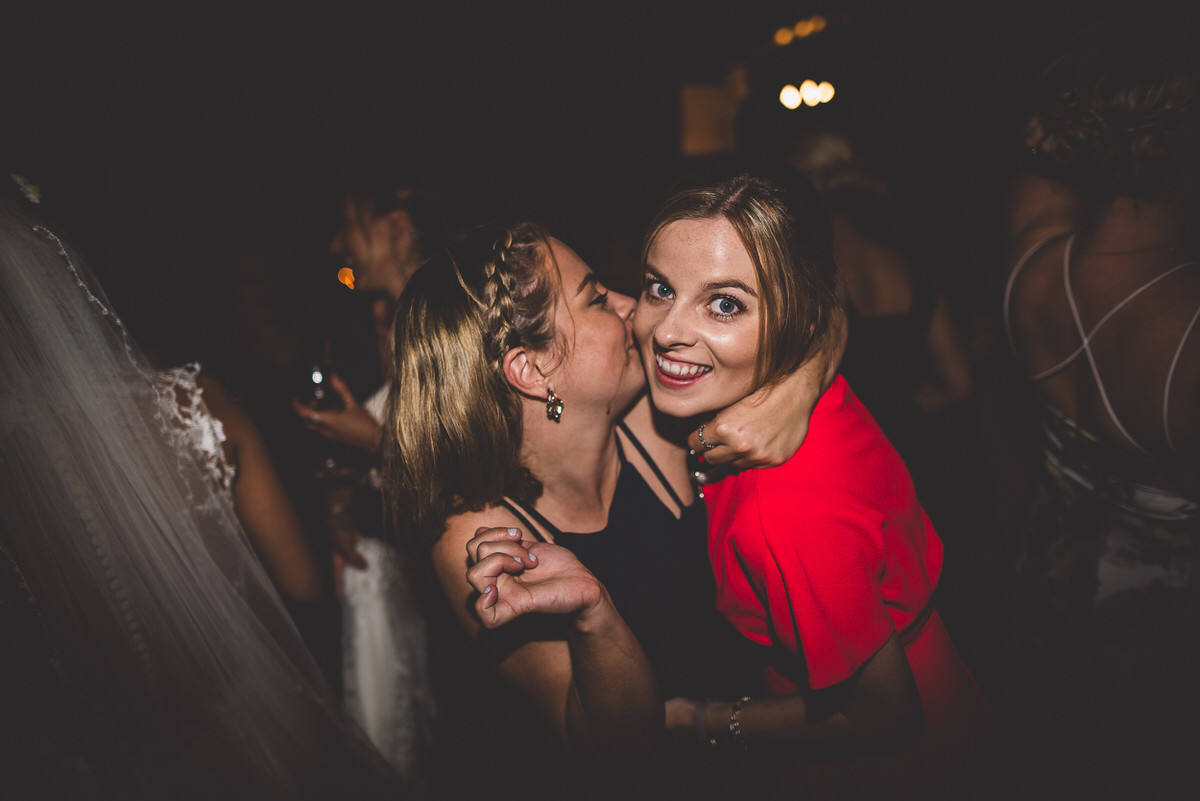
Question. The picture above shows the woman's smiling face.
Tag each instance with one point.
(697, 318)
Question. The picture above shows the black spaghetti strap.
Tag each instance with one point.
(519, 511)
(654, 467)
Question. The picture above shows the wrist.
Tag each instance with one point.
(597, 615)
(719, 724)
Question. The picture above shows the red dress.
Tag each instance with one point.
(826, 556)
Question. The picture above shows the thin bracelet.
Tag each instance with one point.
(735, 725)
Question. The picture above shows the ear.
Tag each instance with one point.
(523, 374)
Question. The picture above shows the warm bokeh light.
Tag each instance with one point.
(803, 28)
(783, 36)
(346, 276)
(789, 96)
(826, 91)
(810, 93)
(818, 23)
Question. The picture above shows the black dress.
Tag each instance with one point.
(666, 592)
(656, 569)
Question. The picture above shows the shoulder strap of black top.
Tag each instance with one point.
(654, 467)
(521, 510)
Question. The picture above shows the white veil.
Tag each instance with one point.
(160, 619)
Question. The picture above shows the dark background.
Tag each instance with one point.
(155, 129)
(172, 140)
(198, 132)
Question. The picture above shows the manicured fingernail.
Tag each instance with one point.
(513, 532)
(518, 560)
(532, 557)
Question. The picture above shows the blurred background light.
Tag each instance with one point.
(784, 36)
(346, 276)
(789, 96)
(803, 28)
(810, 93)
(826, 91)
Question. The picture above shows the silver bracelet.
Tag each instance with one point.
(735, 725)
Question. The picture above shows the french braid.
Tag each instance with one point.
(517, 300)
(454, 424)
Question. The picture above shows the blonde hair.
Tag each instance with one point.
(785, 229)
(452, 434)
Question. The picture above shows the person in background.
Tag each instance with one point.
(1101, 309)
(146, 653)
(904, 356)
(387, 233)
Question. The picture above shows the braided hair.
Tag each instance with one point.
(453, 428)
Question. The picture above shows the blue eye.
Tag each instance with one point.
(726, 307)
(657, 289)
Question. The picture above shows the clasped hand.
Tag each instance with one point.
(515, 577)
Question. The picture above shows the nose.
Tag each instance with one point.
(623, 305)
(673, 329)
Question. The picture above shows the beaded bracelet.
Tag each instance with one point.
(735, 726)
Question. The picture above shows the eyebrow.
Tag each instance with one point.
(589, 280)
(729, 283)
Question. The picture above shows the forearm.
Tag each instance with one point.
(613, 702)
(589, 681)
(877, 711)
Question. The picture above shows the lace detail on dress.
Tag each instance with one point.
(191, 427)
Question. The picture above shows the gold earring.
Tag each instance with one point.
(554, 406)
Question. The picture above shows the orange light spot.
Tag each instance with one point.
(818, 23)
(803, 28)
(789, 96)
(826, 91)
(346, 276)
(784, 36)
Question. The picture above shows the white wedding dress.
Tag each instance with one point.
(159, 662)
(384, 659)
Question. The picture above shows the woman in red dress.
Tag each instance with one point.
(828, 559)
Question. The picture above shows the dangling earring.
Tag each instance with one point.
(554, 406)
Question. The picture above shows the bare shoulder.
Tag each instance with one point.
(450, 562)
(1039, 208)
(451, 547)
(222, 406)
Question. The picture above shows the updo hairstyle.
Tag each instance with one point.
(434, 223)
(452, 434)
(1119, 107)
